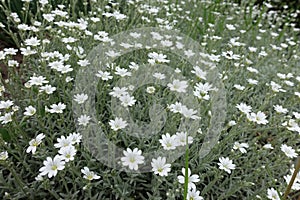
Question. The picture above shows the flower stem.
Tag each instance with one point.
(186, 175)
(289, 187)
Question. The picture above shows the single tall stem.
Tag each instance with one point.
(289, 187)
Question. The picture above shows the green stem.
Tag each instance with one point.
(186, 175)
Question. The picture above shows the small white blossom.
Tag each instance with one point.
(226, 164)
(117, 124)
(80, 98)
(192, 179)
(52, 166)
(160, 167)
(132, 158)
(89, 175)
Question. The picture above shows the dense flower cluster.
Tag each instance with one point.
(257, 60)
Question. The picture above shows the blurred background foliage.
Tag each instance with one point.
(79, 7)
(15, 6)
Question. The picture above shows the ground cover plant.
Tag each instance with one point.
(150, 100)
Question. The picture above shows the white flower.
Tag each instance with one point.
(201, 90)
(159, 76)
(117, 124)
(39, 177)
(13, 63)
(63, 142)
(276, 87)
(57, 108)
(75, 138)
(11, 51)
(84, 120)
(112, 54)
(122, 72)
(133, 66)
(239, 87)
(168, 142)
(230, 27)
(6, 104)
(194, 195)
(35, 142)
(65, 69)
(3, 155)
(280, 109)
(259, 118)
(273, 194)
(80, 98)
(231, 123)
(68, 40)
(119, 16)
(33, 41)
(105, 76)
(181, 138)
(176, 108)
(150, 90)
(268, 146)
(252, 49)
(47, 88)
(244, 108)
(67, 153)
(160, 167)
(43, 2)
(83, 63)
(289, 151)
(6, 118)
(118, 92)
(89, 175)
(189, 113)
(40, 80)
(226, 164)
(189, 53)
(29, 111)
(199, 72)
(56, 64)
(52, 166)
(68, 79)
(178, 86)
(296, 184)
(127, 100)
(159, 58)
(192, 179)
(252, 81)
(241, 147)
(132, 158)
(135, 35)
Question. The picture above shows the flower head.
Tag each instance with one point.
(192, 179)
(3, 155)
(289, 151)
(52, 166)
(29, 111)
(194, 195)
(67, 153)
(178, 86)
(35, 142)
(168, 142)
(132, 158)
(241, 147)
(160, 167)
(117, 124)
(273, 194)
(226, 164)
(89, 175)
